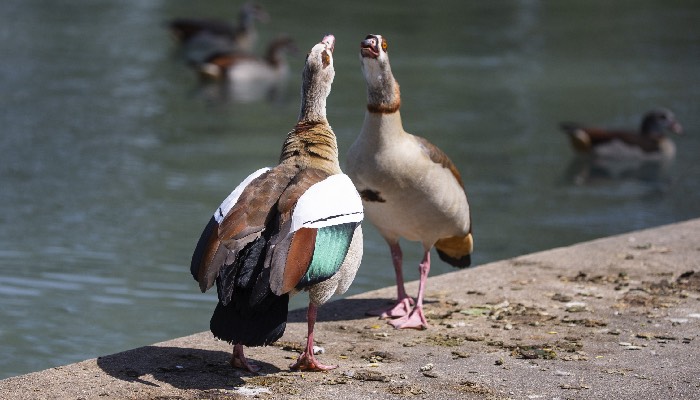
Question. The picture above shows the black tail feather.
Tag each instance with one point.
(248, 312)
(462, 262)
(240, 324)
(244, 272)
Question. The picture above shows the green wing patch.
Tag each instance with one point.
(332, 244)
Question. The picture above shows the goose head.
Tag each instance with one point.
(660, 122)
(382, 89)
(317, 79)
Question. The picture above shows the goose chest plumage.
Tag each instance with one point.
(650, 141)
(294, 227)
(410, 189)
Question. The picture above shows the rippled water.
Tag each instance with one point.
(113, 158)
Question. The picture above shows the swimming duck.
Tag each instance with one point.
(294, 227)
(650, 141)
(251, 78)
(410, 189)
(202, 37)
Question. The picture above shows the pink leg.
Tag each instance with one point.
(306, 360)
(404, 304)
(238, 360)
(416, 319)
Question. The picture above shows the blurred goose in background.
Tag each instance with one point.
(651, 141)
(410, 189)
(293, 227)
(249, 78)
(202, 37)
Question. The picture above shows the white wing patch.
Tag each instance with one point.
(332, 201)
(232, 198)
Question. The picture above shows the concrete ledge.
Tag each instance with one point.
(612, 318)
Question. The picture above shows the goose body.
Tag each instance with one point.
(251, 78)
(293, 227)
(398, 175)
(409, 187)
(651, 141)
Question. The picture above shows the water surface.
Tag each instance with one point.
(113, 158)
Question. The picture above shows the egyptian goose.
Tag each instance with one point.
(410, 189)
(293, 227)
(251, 78)
(651, 141)
(201, 37)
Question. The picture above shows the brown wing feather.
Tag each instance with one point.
(585, 137)
(439, 157)
(207, 252)
(243, 223)
(298, 258)
(604, 135)
(599, 135)
(292, 253)
(275, 192)
(297, 186)
(226, 60)
(254, 206)
(215, 255)
(454, 250)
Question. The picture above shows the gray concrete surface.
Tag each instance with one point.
(614, 318)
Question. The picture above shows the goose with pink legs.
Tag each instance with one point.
(410, 189)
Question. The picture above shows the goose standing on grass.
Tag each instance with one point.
(201, 37)
(294, 227)
(251, 78)
(410, 189)
(651, 141)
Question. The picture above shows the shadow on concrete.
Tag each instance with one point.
(183, 368)
(199, 369)
(342, 310)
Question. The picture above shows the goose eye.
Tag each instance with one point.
(385, 45)
(326, 58)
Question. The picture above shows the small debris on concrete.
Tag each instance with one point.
(427, 367)
(561, 297)
(576, 306)
(251, 391)
(430, 374)
(460, 354)
(406, 390)
(367, 375)
(574, 387)
(534, 352)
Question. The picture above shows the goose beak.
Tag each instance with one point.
(329, 40)
(369, 47)
(676, 128)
